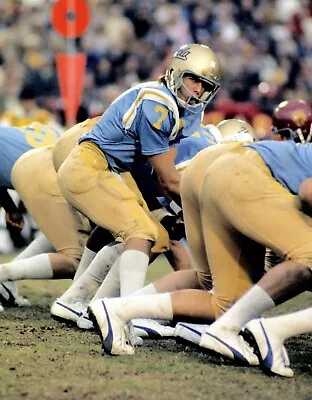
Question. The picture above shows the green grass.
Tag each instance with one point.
(43, 359)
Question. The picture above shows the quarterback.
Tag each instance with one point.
(144, 124)
(73, 303)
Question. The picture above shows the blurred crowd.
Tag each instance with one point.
(265, 47)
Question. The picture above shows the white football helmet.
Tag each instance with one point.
(200, 61)
(236, 130)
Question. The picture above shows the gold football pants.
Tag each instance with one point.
(110, 200)
(233, 210)
(34, 178)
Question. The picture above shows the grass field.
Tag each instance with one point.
(43, 359)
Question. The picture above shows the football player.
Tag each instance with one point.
(57, 251)
(236, 130)
(143, 124)
(83, 289)
(291, 120)
(72, 304)
(14, 143)
(238, 211)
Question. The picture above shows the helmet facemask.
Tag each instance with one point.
(210, 86)
(296, 135)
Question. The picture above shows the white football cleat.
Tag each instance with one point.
(1, 308)
(269, 347)
(149, 328)
(228, 343)
(189, 332)
(10, 298)
(21, 301)
(67, 312)
(113, 330)
(84, 322)
(135, 340)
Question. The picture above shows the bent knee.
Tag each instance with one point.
(73, 257)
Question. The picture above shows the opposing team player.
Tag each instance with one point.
(143, 124)
(291, 120)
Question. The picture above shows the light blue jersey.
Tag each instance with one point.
(290, 163)
(193, 144)
(16, 141)
(143, 121)
(187, 148)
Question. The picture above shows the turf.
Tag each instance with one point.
(43, 359)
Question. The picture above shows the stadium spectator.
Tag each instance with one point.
(268, 44)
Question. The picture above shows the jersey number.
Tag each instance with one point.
(38, 135)
(163, 114)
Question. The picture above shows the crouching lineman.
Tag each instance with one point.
(65, 229)
(14, 143)
(291, 120)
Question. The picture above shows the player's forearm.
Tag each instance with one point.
(172, 191)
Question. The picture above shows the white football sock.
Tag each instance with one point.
(111, 284)
(150, 306)
(38, 246)
(37, 267)
(288, 325)
(103, 262)
(88, 283)
(148, 289)
(251, 305)
(132, 270)
(86, 259)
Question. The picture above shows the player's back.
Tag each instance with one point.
(191, 145)
(290, 163)
(69, 140)
(16, 141)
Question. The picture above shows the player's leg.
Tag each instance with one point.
(8, 290)
(67, 233)
(178, 255)
(109, 203)
(269, 335)
(98, 238)
(74, 301)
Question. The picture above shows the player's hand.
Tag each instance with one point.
(174, 226)
(15, 219)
